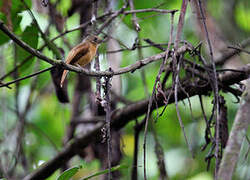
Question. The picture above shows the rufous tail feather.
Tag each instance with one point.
(65, 72)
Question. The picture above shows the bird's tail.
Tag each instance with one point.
(65, 72)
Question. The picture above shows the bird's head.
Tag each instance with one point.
(94, 39)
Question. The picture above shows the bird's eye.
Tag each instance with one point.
(95, 39)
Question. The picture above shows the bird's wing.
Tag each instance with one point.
(74, 55)
(77, 52)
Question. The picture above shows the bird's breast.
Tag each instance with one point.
(87, 58)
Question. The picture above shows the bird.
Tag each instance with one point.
(82, 54)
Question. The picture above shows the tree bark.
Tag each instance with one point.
(238, 132)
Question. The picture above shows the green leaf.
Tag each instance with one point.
(118, 167)
(63, 7)
(3, 17)
(29, 36)
(17, 6)
(4, 38)
(69, 173)
(16, 24)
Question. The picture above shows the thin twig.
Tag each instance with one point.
(98, 79)
(226, 56)
(180, 23)
(208, 134)
(97, 67)
(153, 94)
(15, 68)
(25, 46)
(138, 43)
(216, 91)
(26, 77)
(111, 18)
(159, 152)
(176, 82)
(135, 47)
(150, 10)
(176, 66)
(109, 13)
(239, 49)
(134, 18)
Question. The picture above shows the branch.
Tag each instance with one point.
(240, 125)
(107, 109)
(34, 52)
(130, 68)
(228, 55)
(111, 18)
(239, 49)
(49, 43)
(150, 10)
(84, 25)
(26, 77)
(16, 67)
(120, 117)
(216, 92)
(134, 18)
(25, 46)
(176, 67)
(180, 23)
(68, 152)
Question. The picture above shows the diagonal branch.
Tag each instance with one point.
(121, 117)
(34, 52)
(226, 56)
(49, 43)
(25, 46)
(26, 77)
